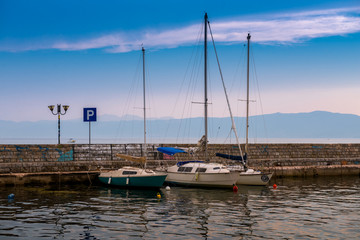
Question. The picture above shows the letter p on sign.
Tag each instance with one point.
(89, 114)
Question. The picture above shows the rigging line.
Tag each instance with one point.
(258, 88)
(217, 134)
(235, 79)
(222, 146)
(150, 93)
(227, 137)
(254, 112)
(196, 81)
(241, 110)
(227, 99)
(132, 100)
(187, 106)
(239, 71)
(243, 58)
(211, 97)
(150, 100)
(189, 71)
(210, 106)
(129, 96)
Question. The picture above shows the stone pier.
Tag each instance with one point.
(74, 162)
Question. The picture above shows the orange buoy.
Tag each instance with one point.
(235, 188)
(274, 186)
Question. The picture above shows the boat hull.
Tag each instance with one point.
(215, 180)
(255, 179)
(155, 181)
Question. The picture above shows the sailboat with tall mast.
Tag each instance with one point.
(247, 176)
(200, 173)
(134, 177)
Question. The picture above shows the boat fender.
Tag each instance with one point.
(127, 181)
(11, 196)
(109, 181)
(158, 195)
(265, 178)
(274, 186)
(167, 188)
(235, 188)
(196, 176)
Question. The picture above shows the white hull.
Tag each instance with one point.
(221, 177)
(202, 179)
(257, 178)
(250, 176)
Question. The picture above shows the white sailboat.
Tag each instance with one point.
(133, 177)
(246, 176)
(201, 173)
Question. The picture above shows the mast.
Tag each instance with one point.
(233, 127)
(247, 95)
(205, 86)
(144, 103)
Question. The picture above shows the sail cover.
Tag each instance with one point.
(141, 160)
(232, 157)
(170, 150)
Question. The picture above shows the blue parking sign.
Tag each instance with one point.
(89, 114)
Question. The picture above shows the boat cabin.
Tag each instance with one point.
(129, 172)
(196, 167)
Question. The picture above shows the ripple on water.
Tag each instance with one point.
(300, 208)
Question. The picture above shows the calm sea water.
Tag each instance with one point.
(325, 208)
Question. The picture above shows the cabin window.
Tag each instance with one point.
(129, 173)
(216, 168)
(184, 169)
(201, 170)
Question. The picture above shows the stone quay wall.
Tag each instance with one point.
(282, 159)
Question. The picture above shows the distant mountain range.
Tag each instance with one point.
(316, 124)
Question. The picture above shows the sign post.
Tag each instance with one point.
(89, 116)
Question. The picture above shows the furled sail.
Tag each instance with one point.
(141, 160)
(201, 144)
(232, 157)
(170, 150)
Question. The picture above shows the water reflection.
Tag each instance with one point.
(298, 208)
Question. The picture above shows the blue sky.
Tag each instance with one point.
(305, 56)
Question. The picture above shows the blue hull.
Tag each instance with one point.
(135, 182)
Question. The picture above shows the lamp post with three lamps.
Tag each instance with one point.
(58, 112)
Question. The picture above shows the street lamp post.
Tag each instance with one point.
(58, 112)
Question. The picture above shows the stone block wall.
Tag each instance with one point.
(82, 157)
(272, 155)
(68, 157)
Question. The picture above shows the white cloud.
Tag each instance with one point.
(279, 29)
(291, 28)
(101, 42)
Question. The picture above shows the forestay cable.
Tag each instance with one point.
(227, 98)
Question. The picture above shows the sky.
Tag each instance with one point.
(305, 56)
